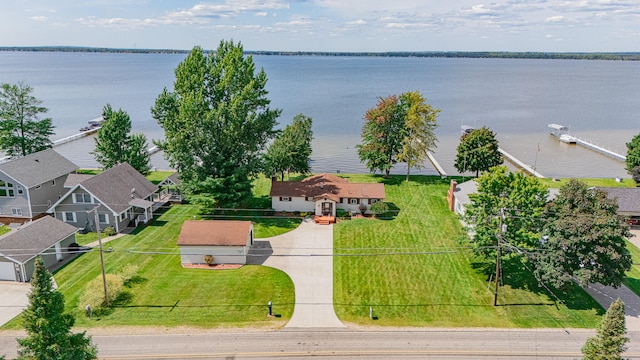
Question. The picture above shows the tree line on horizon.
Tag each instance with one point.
(628, 56)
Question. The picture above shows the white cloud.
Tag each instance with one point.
(39, 18)
(557, 18)
(262, 13)
(357, 22)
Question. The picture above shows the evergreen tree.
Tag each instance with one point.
(217, 123)
(585, 239)
(21, 132)
(48, 328)
(114, 144)
(609, 342)
(478, 151)
(291, 150)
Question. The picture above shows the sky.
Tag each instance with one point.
(327, 25)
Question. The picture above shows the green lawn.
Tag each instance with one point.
(169, 295)
(4, 229)
(426, 277)
(632, 280)
(603, 182)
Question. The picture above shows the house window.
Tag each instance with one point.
(38, 187)
(16, 211)
(53, 182)
(6, 189)
(285, 198)
(122, 216)
(353, 201)
(308, 198)
(20, 190)
(81, 198)
(373, 201)
(69, 216)
(103, 218)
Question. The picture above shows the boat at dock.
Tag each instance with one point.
(93, 124)
(567, 139)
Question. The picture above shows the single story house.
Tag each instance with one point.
(458, 195)
(30, 184)
(46, 237)
(628, 200)
(215, 241)
(323, 194)
(122, 196)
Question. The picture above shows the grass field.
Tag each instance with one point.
(418, 272)
(632, 280)
(167, 294)
(603, 182)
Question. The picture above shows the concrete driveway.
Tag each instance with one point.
(13, 299)
(306, 255)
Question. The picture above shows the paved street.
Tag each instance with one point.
(344, 344)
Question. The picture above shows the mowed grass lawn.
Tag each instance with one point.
(632, 280)
(429, 278)
(168, 295)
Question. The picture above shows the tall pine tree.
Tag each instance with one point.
(48, 328)
(609, 342)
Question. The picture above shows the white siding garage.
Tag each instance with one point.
(7, 272)
(215, 242)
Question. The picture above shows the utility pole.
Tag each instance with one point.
(503, 229)
(104, 277)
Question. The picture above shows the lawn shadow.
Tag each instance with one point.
(517, 275)
(259, 252)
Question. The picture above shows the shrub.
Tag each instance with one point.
(109, 231)
(380, 209)
(93, 294)
(128, 272)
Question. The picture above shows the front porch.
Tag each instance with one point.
(324, 220)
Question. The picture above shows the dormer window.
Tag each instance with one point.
(82, 198)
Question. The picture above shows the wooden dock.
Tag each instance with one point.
(601, 150)
(519, 163)
(436, 165)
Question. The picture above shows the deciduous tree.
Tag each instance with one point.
(291, 149)
(217, 122)
(478, 151)
(610, 340)
(420, 123)
(585, 239)
(514, 200)
(633, 158)
(382, 135)
(115, 144)
(48, 328)
(21, 132)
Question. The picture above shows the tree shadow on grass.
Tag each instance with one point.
(517, 275)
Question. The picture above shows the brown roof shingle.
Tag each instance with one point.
(214, 233)
(327, 185)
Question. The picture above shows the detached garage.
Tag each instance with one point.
(215, 242)
(45, 237)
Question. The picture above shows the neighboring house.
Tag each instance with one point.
(123, 197)
(458, 195)
(215, 242)
(30, 184)
(45, 237)
(628, 200)
(322, 194)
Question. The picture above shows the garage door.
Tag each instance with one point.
(7, 272)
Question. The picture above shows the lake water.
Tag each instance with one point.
(516, 98)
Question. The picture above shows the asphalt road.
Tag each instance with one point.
(345, 344)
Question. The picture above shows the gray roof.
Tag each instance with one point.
(628, 199)
(172, 179)
(34, 237)
(74, 179)
(38, 168)
(117, 186)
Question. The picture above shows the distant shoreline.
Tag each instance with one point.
(620, 56)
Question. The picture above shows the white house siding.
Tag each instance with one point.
(296, 204)
(221, 254)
